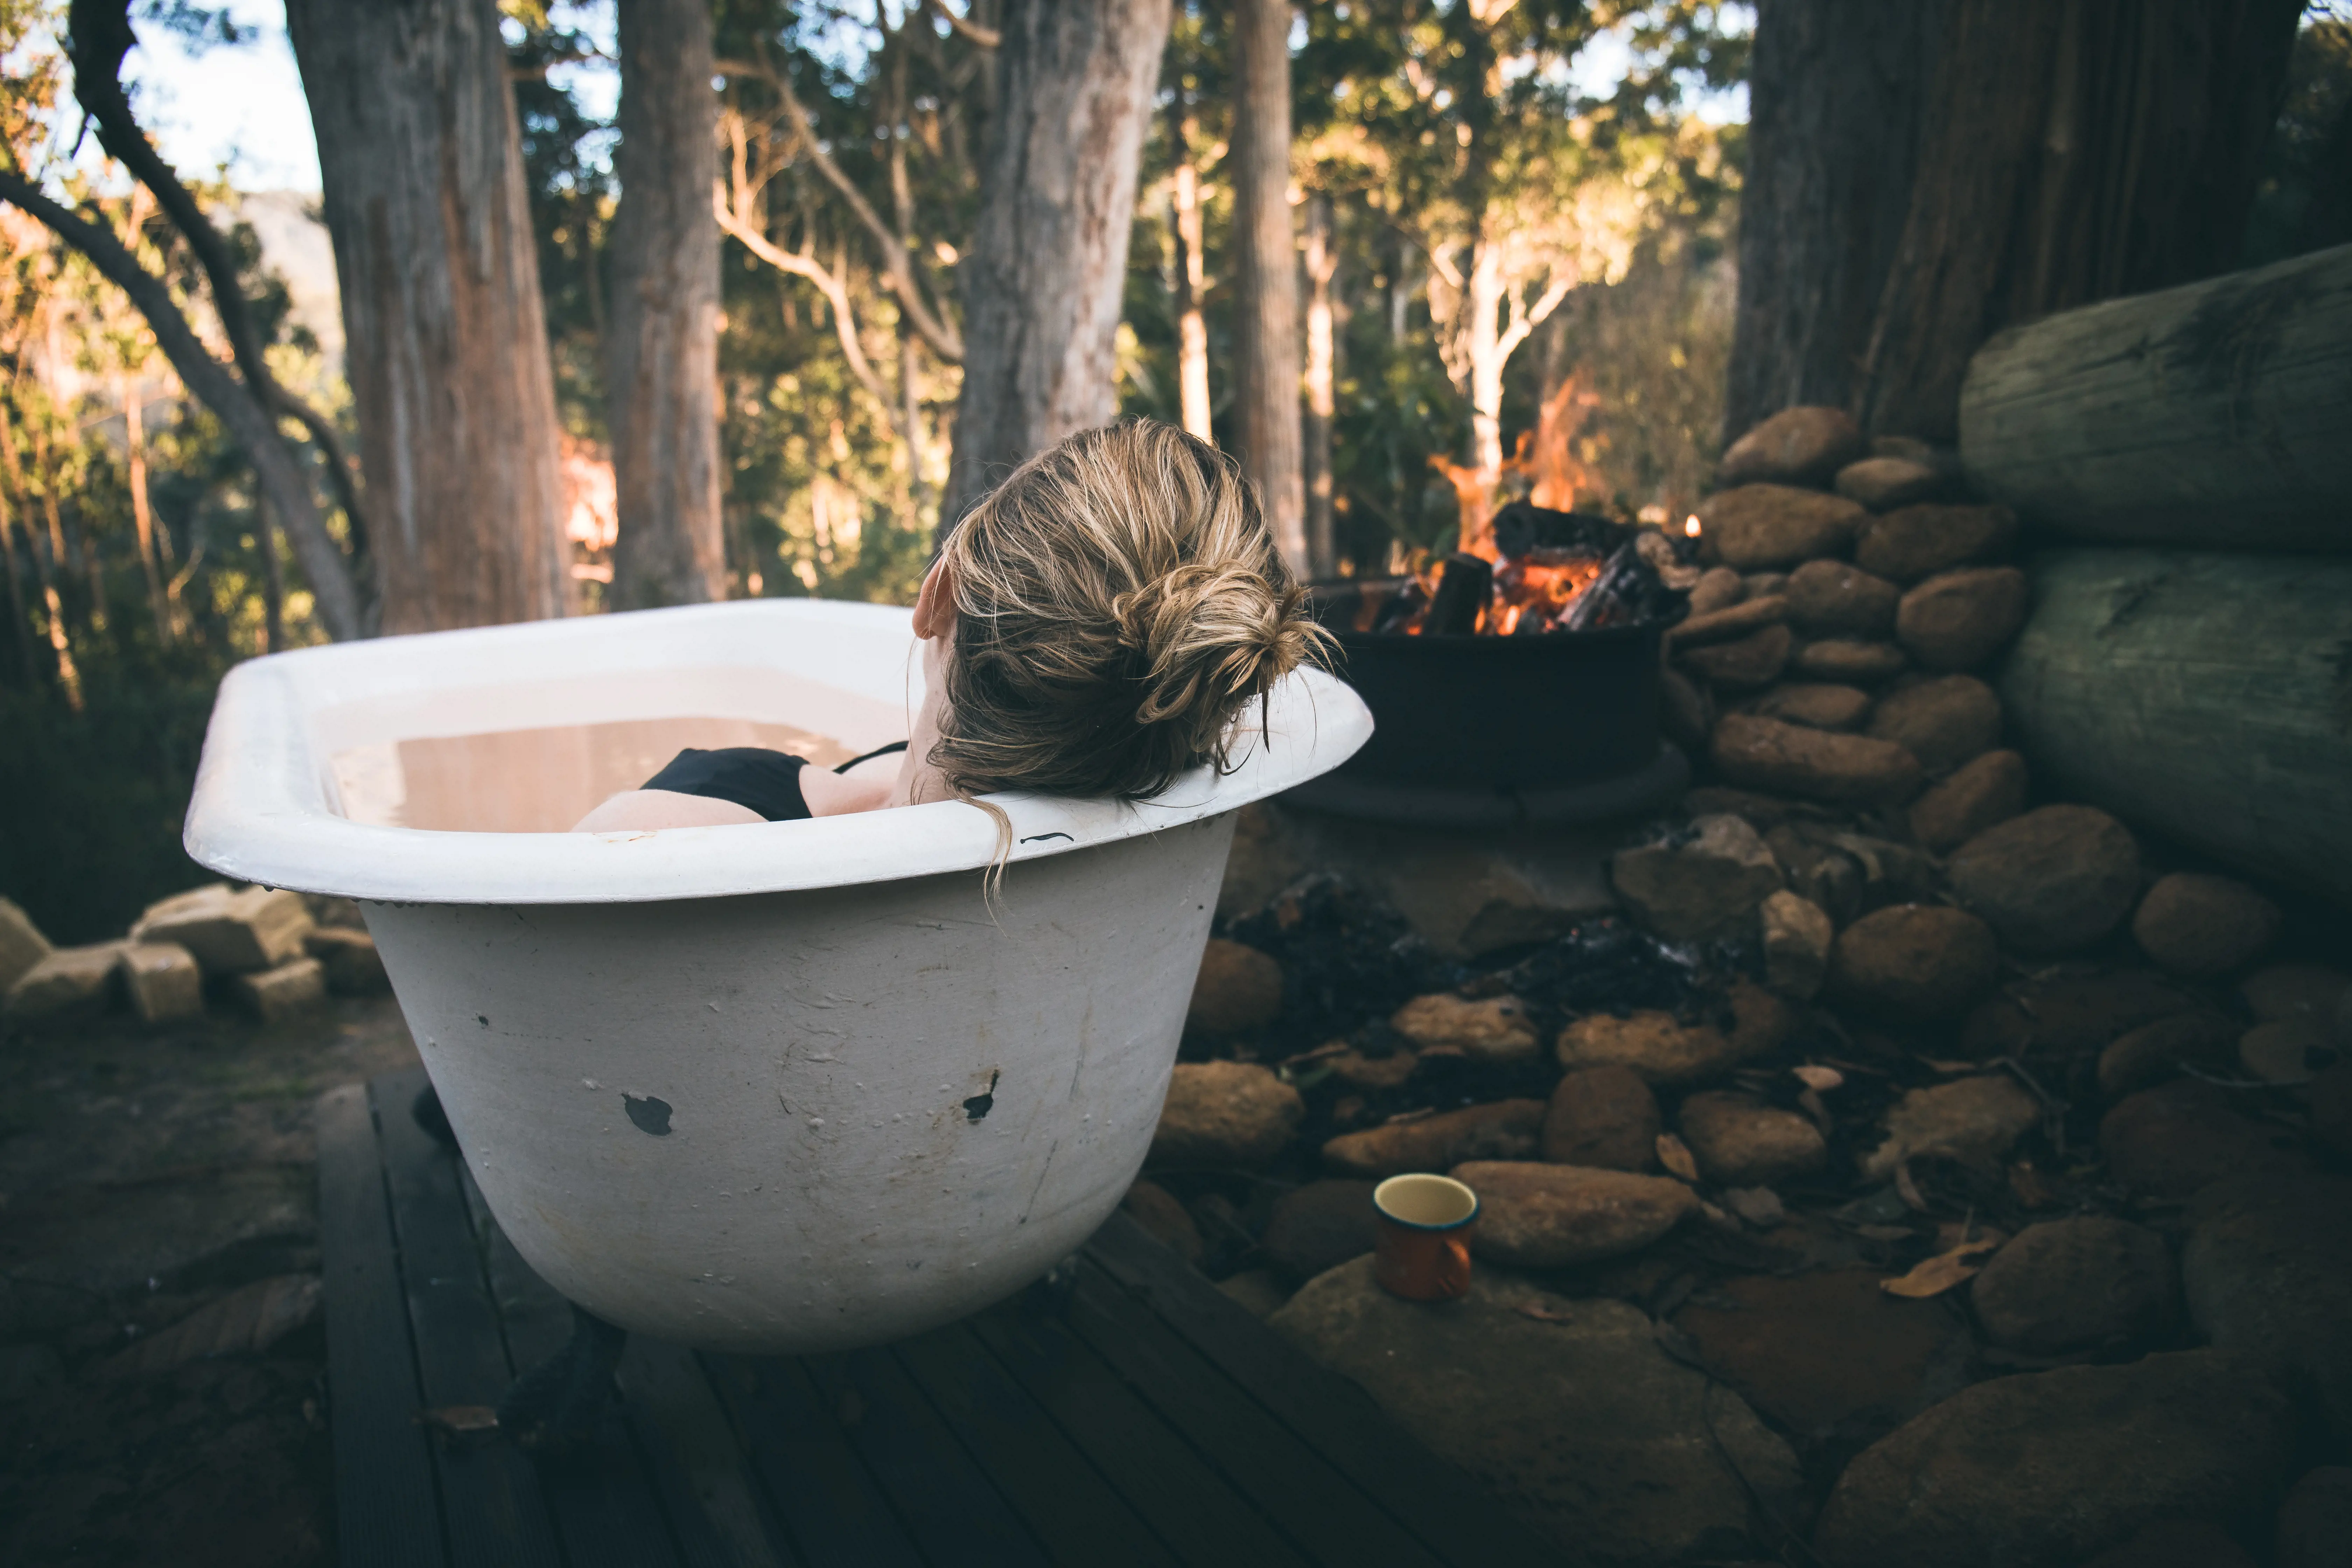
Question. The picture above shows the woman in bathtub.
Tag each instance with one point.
(1092, 629)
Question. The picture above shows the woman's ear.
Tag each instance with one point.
(935, 605)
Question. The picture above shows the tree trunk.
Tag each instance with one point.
(445, 338)
(661, 341)
(1043, 280)
(142, 517)
(1267, 346)
(2200, 694)
(1191, 327)
(2210, 415)
(1322, 261)
(2069, 151)
(1833, 108)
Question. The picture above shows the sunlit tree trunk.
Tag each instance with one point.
(446, 337)
(142, 516)
(1266, 344)
(1191, 327)
(662, 337)
(1482, 298)
(1322, 262)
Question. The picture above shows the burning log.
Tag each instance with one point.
(1461, 593)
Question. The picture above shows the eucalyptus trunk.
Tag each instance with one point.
(1267, 342)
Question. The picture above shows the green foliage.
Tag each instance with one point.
(2304, 200)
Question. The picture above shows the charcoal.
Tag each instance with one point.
(1348, 958)
(1520, 527)
(1462, 593)
(1605, 965)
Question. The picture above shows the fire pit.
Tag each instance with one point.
(1520, 687)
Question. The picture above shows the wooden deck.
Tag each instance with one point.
(1144, 1420)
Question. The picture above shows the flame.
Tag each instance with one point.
(1690, 526)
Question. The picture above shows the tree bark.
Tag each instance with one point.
(662, 338)
(1834, 110)
(1192, 326)
(1322, 261)
(142, 516)
(446, 337)
(1043, 280)
(1267, 426)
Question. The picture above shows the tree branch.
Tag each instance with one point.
(964, 28)
(837, 293)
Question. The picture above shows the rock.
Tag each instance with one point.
(2200, 925)
(2315, 1521)
(354, 966)
(2080, 1283)
(1319, 1226)
(1884, 483)
(2297, 991)
(1797, 938)
(1959, 619)
(275, 995)
(1799, 446)
(1684, 711)
(1975, 1119)
(1815, 1352)
(1155, 1208)
(1668, 1053)
(1750, 615)
(65, 985)
(1566, 1410)
(2054, 879)
(1765, 584)
(2069, 1012)
(1491, 1029)
(1849, 661)
(2156, 1052)
(1718, 588)
(1943, 721)
(1753, 662)
(1772, 527)
(1549, 1217)
(1981, 794)
(1356, 1070)
(2173, 1141)
(2331, 1110)
(28, 1370)
(1223, 1115)
(2047, 1468)
(1238, 988)
(230, 932)
(1914, 963)
(246, 1321)
(2267, 1272)
(1505, 1130)
(1741, 1142)
(1697, 889)
(2175, 1543)
(2288, 1050)
(1258, 1291)
(327, 909)
(1820, 872)
(1830, 598)
(1604, 1118)
(1917, 541)
(162, 982)
(1846, 770)
(22, 945)
(1815, 705)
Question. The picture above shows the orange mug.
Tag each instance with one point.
(1424, 1254)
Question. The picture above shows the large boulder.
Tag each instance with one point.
(1914, 963)
(2041, 1470)
(1917, 541)
(2085, 1282)
(1740, 1140)
(22, 945)
(1976, 1120)
(1823, 1350)
(2050, 881)
(1237, 988)
(1538, 1215)
(1816, 765)
(1567, 1411)
(1981, 794)
(1604, 1118)
(1800, 445)
(65, 985)
(1958, 620)
(1758, 528)
(1505, 1130)
(2178, 1138)
(1700, 886)
(2200, 925)
(230, 932)
(2267, 1272)
(1943, 721)
(1225, 1115)
(1669, 1053)
(1831, 598)
(1319, 1226)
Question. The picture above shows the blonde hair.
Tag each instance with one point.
(1119, 602)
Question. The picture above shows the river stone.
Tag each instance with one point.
(2267, 1272)
(1884, 483)
(1815, 1352)
(2083, 1282)
(1573, 1419)
(1748, 665)
(2297, 991)
(1537, 1215)
(2042, 1470)
(1751, 613)
(1490, 1030)
(2314, 1522)
(1604, 1118)
(1801, 446)
(1845, 770)
(1717, 588)
(1758, 528)
(1225, 1115)
(162, 982)
(1958, 620)
(1668, 1053)
(354, 966)
(2069, 1011)
(22, 945)
(1849, 661)
(1815, 705)
(1156, 1210)
(230, 932)
(1238, 988)
(2054, 879)
(1505, 1130)
(1943, 721)
(1917, 541)
(65, 985)
(1739, 1141)
(1798, 940)
(1975, 1119)
(1765, 585)
(2286, 1050)
(1830, 598)
(2153, 1053)
(1981, 794)
(2200, 925)
(2175, 1140)
(1684, 711)
(1319, 1226)
(1913, 963)
(1696, 888)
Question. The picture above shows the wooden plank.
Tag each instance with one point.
(1203, 1523)
(490, 1493)
(830, 1506)
(1433, 1499)
(950, 1508)
(1072, 1510)
(698, 1466)
(387, 1513)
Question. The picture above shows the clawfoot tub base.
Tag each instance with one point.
(558, 1404)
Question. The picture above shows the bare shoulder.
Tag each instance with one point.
(831, 794)
(650, 810)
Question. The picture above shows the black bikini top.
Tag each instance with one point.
(751, 776)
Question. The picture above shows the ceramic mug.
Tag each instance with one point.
(1423, 1252)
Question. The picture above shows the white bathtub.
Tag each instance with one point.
(782, 1088)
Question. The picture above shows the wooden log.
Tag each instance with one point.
(2212, 415)
(2203, 695)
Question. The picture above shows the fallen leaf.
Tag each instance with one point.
(1941, 1272)
(2032, 1190)
(1757, 1206)
(1810, 1101)
(1821, 1079)
(459, 1419)
(1951, 1066)
(1675, 1156)
(1908, 1190)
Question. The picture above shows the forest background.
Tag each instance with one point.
(1498, 287)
